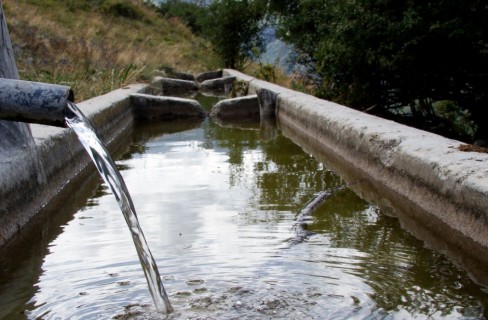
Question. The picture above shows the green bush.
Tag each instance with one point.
(266, 72)
(234, 27)
(190, 13)
(458, 118)
(388, 53)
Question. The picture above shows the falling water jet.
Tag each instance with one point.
(106, 167)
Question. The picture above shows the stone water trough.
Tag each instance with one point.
(438, 192)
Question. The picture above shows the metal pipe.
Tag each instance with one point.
(34, 102)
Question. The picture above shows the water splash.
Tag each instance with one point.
(112, 177)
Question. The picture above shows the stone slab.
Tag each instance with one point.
(241, 107)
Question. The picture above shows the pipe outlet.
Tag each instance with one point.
(34, 102)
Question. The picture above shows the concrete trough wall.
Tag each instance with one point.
(395, 166)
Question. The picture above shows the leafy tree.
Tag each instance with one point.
(392, 54)
(234, 27)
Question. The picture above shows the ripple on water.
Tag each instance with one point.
(247, 303)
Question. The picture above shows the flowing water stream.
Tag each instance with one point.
(108, 170)
(242, 227)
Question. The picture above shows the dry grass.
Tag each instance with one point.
(94, 50)
(472, 148)
(267, 72)
(271, 73)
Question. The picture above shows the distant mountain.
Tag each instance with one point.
(279, 53)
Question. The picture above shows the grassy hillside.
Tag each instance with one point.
(96, 46)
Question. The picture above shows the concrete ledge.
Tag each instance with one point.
(422, 169)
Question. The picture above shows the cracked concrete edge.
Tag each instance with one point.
(424, 168)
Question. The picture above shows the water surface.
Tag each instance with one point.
(218, 206)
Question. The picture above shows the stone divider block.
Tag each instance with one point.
(209, 75)
(219, 86)
(236, 108)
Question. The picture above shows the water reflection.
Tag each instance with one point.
(405, 276)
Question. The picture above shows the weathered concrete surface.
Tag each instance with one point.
(165, 108)
(8, 67)
(168, 86)
(267, 103)
(16, 144)
(408, 168)
(16, 138)
(236, 108)
(30, 182)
